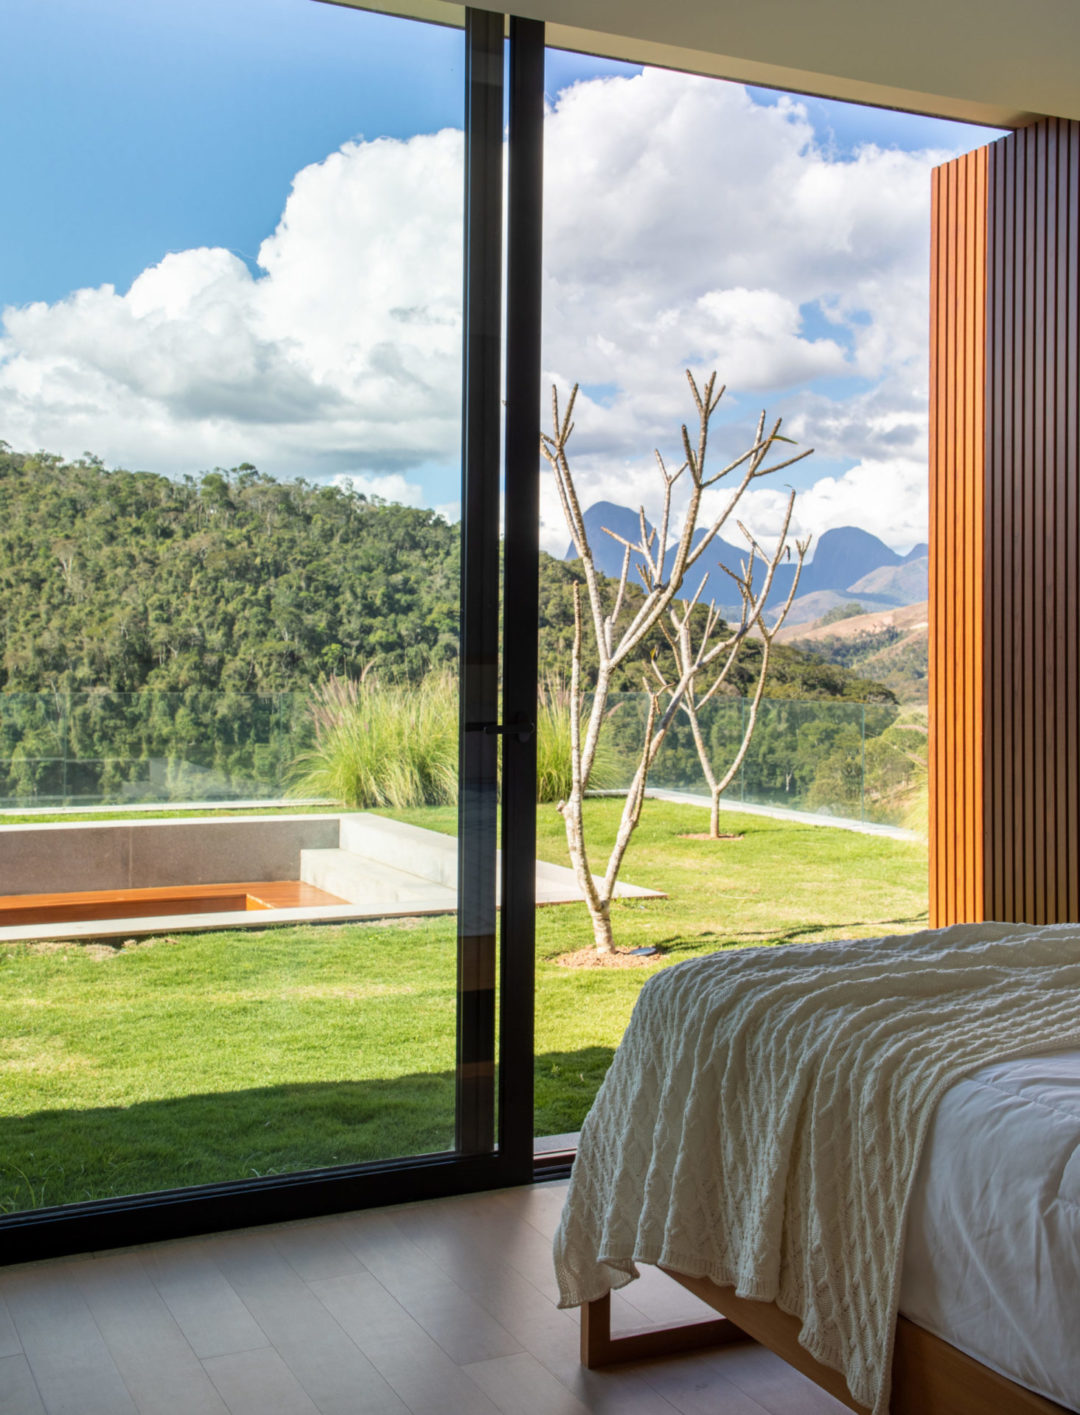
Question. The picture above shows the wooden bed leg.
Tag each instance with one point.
(600, 1348)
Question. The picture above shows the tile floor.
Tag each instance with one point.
(440, 1308)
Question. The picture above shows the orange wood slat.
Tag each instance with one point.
(999, 459)
(976, 566)
(935, 757)
(1000, 547)
(1056, 348)
(1069, 454)
(957, 469)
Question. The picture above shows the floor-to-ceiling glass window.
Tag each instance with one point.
(231, 545)
(779, 242)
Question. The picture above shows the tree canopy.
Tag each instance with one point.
(236, 582)
(230, 581)
(160, 638)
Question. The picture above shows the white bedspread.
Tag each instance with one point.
(992, 1257)
(763, 1119)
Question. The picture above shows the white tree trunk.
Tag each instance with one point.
(662, 577)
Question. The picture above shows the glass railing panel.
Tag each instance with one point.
(852, 760)
(846, 759)
(103, 748)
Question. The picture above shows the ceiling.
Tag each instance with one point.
(996, 62)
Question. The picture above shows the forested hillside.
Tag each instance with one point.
(129, 580)
(238, 583)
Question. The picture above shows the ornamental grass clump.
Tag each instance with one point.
(382, 744)
(554, 753)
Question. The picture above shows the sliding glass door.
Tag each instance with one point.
(221, 1007)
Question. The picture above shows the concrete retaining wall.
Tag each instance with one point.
(142, 854)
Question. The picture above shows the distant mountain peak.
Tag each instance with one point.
(847, 553)
(607, 516)
(843, 557)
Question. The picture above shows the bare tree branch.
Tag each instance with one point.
(752, 612)
(662, 578)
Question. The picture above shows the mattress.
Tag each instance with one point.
(992, 1253)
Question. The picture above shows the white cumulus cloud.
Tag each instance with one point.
(391, 487)
(685, 225)
(705, 230)
(344, 351)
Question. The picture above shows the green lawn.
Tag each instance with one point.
(216, 1056)
(119, 813)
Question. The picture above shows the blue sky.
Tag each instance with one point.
(137, 129)
(133, 129)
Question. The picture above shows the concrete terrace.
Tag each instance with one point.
(378, 868)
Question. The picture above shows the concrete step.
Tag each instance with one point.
(555, 884)
(398, 847)
(372, 883)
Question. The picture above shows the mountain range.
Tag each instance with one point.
(849, 566)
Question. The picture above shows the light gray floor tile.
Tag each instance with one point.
(315, 1250)
(694, 1386)
(772, 1382)
(321, 1355)
(208, 1311)
(519, 1385)
(419, 1370)
(18, 1390)
(73, 1368)
(153, 1356)
(258, 1383)
(464, 1329)
(9, 1337)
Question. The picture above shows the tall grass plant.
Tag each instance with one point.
(379, 744)
(395, 744)
(554, 759)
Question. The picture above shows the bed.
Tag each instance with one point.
(866, 1156)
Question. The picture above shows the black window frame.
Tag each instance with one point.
(494, 1143)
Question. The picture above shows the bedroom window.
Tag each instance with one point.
(286, 535)
(692, 223)
(250, 714)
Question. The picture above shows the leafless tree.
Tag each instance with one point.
(662, 577)
(690, 663)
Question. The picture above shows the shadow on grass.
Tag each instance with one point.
(837, 930)
(692, 944)
(69, 1156)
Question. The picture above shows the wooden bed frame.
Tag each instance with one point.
(929, 1376)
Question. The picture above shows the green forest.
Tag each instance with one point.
(229, 595)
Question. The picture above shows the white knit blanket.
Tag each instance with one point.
(763, 1118)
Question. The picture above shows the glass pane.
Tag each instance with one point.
(692, 224)
(228, 717)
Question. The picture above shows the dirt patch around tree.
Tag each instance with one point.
(620, 958)
(704, 835)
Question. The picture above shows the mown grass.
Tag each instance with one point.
(122, 813)
(217, 1056)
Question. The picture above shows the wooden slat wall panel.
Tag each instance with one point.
(1005, 531)
(1032, 705)
(957, 520)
